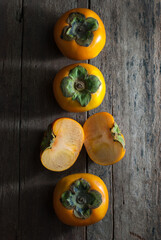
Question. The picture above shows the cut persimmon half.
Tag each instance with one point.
(61, 144)
(103, 139)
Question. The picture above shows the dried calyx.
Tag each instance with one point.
(117, 136)
(81, 199)
(48, 139)
(79, 29)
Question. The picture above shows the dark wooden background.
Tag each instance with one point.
(131, 65)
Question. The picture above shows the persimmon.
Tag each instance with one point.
(79, 87)
(103, 139)
(61, 144)
(80, 34)
(80, 199)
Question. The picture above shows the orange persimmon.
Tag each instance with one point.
(79, 87)
(80, 199)
(61, 144)
(103, 139)
(80, 34)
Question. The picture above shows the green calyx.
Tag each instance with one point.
(117, 135)
(48, 139)
(79, 85)
(81, 199)
(79, 29)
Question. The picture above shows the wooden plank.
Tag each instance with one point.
(104, 61)
(136, 88)
(10, 94)
(131, 65)
(41, 61)
(132, 57)
(156, 127)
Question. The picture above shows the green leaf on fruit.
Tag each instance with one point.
(48, 139)
(79, 85)
(80, 29)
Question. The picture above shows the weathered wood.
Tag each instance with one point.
(10, 94)
(41, 61)
(104, 61)
(136, 177)
(133, 66)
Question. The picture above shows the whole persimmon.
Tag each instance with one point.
(80, 199)
(79, 87)
(80, 34)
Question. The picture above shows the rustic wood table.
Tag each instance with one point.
(131, 65)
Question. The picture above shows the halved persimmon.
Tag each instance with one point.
(103, 139)
(61, 144)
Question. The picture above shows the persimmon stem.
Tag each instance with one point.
(79, 85)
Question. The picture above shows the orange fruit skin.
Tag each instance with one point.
(71, 49)
(55, 132)
(66, 216)
(109, 124)
(70, 105)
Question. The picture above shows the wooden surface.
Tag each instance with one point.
(131, 65)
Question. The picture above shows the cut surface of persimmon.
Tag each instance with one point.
(61, 144)
(103, 139)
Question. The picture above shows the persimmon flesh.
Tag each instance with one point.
(61, 144)
(103, 141)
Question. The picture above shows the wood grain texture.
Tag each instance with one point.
(10, 94)
(41, 61)
(135, 178)
(133, 66)
(104, 61)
